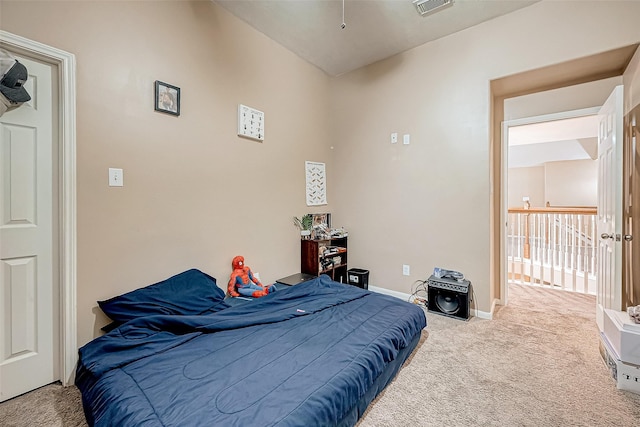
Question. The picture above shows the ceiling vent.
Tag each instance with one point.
(426, 7)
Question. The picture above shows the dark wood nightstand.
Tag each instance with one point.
(325, 256)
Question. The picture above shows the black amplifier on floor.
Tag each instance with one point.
(449, 297)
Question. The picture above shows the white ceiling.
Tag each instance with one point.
(375, 29)
(557, 130)
(568, 139)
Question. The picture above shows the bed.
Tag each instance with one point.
(312, 354)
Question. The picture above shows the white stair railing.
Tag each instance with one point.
(553, 247)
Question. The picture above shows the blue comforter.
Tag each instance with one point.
(302, 356)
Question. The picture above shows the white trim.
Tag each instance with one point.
(571, 114)
(66, 63)
(401, 295)
(409, 298)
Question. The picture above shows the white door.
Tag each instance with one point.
(610, 133)
(29, 327)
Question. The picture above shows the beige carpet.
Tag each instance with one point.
(50, 406)
(536, 364)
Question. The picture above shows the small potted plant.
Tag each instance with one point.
(304, 224)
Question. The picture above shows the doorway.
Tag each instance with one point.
(551, 184)
(594, 68)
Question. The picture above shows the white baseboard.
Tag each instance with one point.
(401, 295)
(407, 297)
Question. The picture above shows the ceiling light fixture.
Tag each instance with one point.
(426, 7)
(343, 25)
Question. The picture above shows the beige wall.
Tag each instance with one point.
(526, 182)
(195, 194)
(571, 183)
(428, 204)
(563, 183)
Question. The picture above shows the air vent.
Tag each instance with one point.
(426, 7)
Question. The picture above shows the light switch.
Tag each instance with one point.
(406, 139)
(394, 137)
(116, 177)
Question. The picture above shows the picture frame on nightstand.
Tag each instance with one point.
(321, 226)
(321, 219)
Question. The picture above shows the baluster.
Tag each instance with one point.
(520, 246)
(547, 238)
(556, 240)
(544, 239)
(531, 240)
(573, 253)
(539, 248)
(527, 247)
(511, 251)
(552, 247)
(543, 232)
(565, 249)
(594, 245)
(580, 250)
(585, 261)
(518, 235)
(549, 261)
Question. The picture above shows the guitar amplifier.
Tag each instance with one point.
(449, 297)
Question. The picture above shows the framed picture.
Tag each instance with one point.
(167, 99)
(321, 219)
(321, 226)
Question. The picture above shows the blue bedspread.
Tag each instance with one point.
(302, 356)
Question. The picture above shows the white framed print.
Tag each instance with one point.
(316, 180)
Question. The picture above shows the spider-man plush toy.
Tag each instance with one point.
(243, 282)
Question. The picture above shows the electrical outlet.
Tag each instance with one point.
(628, 377)
(394, 137)
(406, 270)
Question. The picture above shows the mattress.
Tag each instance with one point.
(314, 354)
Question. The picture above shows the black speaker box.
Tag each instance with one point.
(449, 297)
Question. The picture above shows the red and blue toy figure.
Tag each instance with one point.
(243, 282)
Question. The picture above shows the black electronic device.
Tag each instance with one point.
(295, 279)
(449, 297)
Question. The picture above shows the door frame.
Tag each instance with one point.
(504, 189)
(65, 63)
(585, 69)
